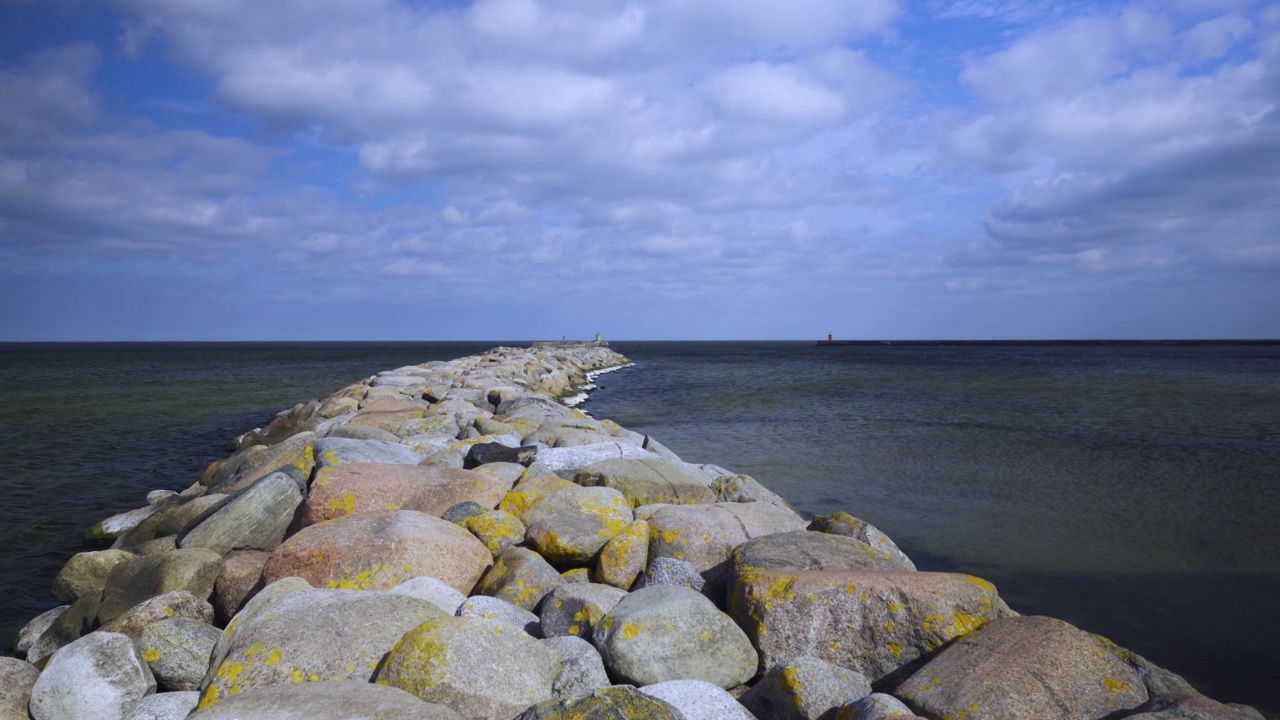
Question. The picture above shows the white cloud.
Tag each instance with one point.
(1214, 38)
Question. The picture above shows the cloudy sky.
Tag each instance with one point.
(648, 169)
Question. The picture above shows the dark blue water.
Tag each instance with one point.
(1131, 491)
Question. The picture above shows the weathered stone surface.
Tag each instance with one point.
(842, 523)
(521, 577)
(138, 579)
(36, 627)
(624, 557)
(876, 706)
(108, 529)
(705, 535)
(463, 510)
(648, 480)
(1191, 706)
(1026, 667)
(334, 700)
(334, 451)
(804, 688)
(434, 591)
(163, 706)
(698, 700)
(16, 679)
(159, 545)
(871, 621)
(237, 579)
(529, 493)
(388, 414)
(492, 452)
(172, 519)
(567, 462)
(497, 529)
(572, 537)
(356, 488)
(480, 668)
(255, 519)
(177, 651)
(311, 636)
(577, 575)
(378, 551)
(63, 627)
(667, 632)
(86, 572)
(363, 432)
(492, 608)
(575, 608)
(296, 451)
(299, 418)
(505, 473)
(582, 668)
(669, 571)
(807, 550)
(176, 604)
(94, 678)
(608, 504)
(604, 704)
(744, 488)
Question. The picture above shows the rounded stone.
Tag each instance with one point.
(575, 608)
(94, 678)
(667, 632)
(378, 551)
(177, 651)
(480, 668)
(333, 700)
(804, 688)
(604, 704)
(163, 706)
(699, 700)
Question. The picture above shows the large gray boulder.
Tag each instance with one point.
(1191, 706)
(434, 591)
(480, 668)
(333, 700)
(255, 519)
(16, 679)
(163, 706)
(333, 451)
(37, 626)
(492, 608)
(86, 572)
(1026, 667)
(699, 700)
(667, 632)
(575, 608)
(377, 551)
(312, 635)
(567, 461)
(171, 605)
(603, 704)
(582, 669)
(804, 688)
(840, 600)
(520, 576)
(178, 651)
(842, 523)
(876, 706)
(138, 579)
(94, 678)
(706, 535)
(648, 480)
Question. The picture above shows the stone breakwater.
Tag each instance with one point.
(454, 540)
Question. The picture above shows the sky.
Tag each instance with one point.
(665, 169)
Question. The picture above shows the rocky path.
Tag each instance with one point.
(453, 540)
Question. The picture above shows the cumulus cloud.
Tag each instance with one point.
(1134, 162)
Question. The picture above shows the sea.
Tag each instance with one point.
(1131, 490)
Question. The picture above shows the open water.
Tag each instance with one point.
(1132, 491)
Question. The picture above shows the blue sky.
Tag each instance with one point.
(719, 169)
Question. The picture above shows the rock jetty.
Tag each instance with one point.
(454, 540)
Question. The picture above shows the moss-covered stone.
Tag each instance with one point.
(624, 557)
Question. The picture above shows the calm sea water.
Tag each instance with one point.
(1131, 491)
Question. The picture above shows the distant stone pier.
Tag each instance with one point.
(543, 344)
